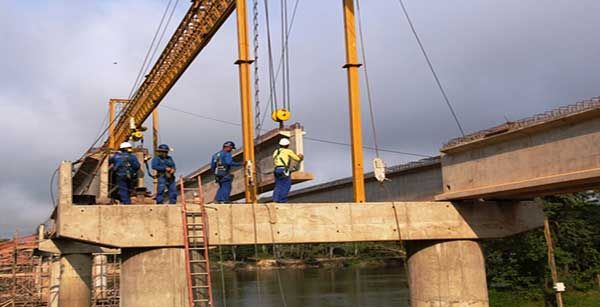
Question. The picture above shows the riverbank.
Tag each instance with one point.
(311, 263)
(529, 299)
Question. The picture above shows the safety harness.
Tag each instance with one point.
(286, 166)
(218, 163)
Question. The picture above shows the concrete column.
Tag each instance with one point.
(54, 283)
(153, 278)
(75, 280)
(446, 273)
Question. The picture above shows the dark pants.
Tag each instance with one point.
(224, 188)
(168, 183)
(283, 184)
(124, 184)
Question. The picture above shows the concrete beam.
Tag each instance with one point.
(415, 181)
(65, 247)
(525, 160)
(75, 280)
(266, 144)
(160, 226)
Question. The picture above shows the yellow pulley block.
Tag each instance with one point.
(281, 115)
(136, 135)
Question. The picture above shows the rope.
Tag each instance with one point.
(258, 291)
(435, 76)
(275, 75)
(276, 256)
(221, 268)
(401, 243)
(272, 77)
(367, 81)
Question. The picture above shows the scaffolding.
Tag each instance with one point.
(24, 276)
(105, 280)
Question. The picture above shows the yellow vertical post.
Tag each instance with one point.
(246, 100)
(351, 67)
(155, 129)
(111, 124)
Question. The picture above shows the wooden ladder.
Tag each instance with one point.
(195, 238)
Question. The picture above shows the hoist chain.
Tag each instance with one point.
(257, 117)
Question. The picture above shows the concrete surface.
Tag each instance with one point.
(75, 280)
(551, 157)
(446, 273)
(153, 278)
(416, 181)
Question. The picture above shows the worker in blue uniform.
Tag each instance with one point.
(221, 164)
(283, 172)
(164, 166)
(125, 167)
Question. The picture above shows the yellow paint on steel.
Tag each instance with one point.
(155, 129)
(352, 66)
(112, 106)
(246, 101)
(111, 124)
(198, 26)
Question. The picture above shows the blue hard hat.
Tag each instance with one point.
(163, 147)
(229, 144)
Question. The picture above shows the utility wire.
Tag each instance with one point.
(162, 34)
(435, 76)
(147, 56)
(306, 138)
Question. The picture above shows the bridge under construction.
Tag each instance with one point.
(485, 185)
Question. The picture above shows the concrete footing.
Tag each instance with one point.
(447, 273)
(153, 278)
(75, 280)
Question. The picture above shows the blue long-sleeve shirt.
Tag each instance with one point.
(222, 162)
(123, 163)
(160, 164)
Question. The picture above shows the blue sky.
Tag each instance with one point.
(496, 59)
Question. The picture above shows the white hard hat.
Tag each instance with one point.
(125, 145)
(284, 142)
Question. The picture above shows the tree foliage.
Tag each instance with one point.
(520, 262)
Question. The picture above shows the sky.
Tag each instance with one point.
(61, 61)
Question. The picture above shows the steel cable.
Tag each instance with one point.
(435, 76)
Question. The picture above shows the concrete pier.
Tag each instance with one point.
(446, 273)
(153, 278)
(54, 285)
(75, 280)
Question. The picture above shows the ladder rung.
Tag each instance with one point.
(203, 273)
(201, 300)
(195, 224)
(195, 236)
(197, 261)
(196, 287)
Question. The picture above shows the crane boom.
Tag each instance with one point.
(200, 23)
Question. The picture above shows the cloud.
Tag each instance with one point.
(496, 60)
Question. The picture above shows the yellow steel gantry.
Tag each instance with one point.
(200, 23)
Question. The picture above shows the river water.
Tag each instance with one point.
(312, 287)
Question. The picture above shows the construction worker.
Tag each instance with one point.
(164, 166)
(282, 172)
(125, 167)
(221, 164)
